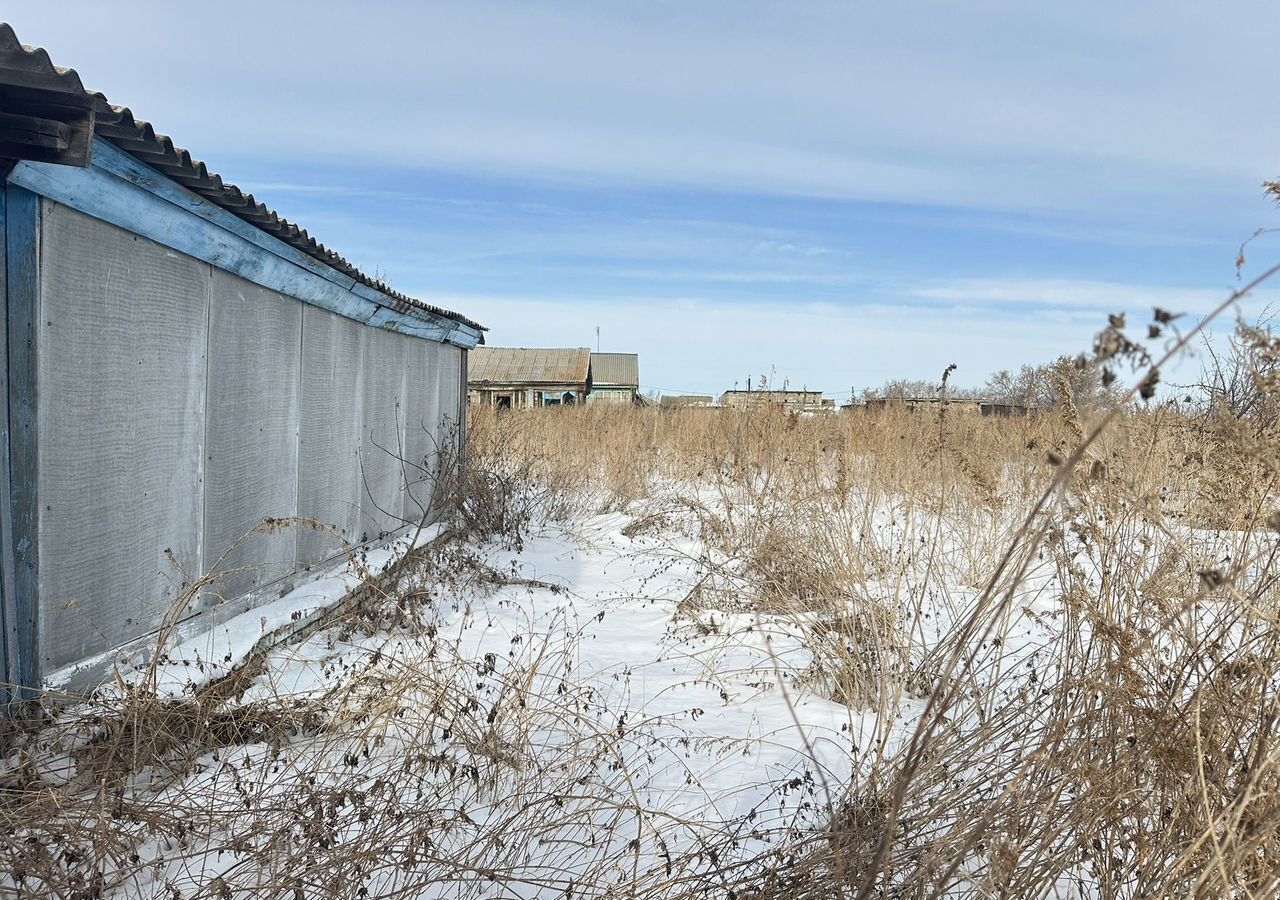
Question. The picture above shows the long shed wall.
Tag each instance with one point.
(180, 405)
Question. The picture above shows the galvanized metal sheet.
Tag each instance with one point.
(421, 425)
(451, 391)
(331, 419)
(181, 405)
(382, 448)
(432, 431)
(121, 385)
(251, 457)
(453, 398)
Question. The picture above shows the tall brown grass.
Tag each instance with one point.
(1060, 632)
(1100, 680)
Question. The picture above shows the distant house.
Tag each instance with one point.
(679, 401)
(615, 378)
(794, 401)
(537, 377)
(911, 404)
(985, 407)
(1003, 410)
(528, 377)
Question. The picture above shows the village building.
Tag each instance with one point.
(615, 378)
(912, 404)
(680, 401)
(539, 377)
(180, 365)
(793, 401)
(966, 404)
(529, 377)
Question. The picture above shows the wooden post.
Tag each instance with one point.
(21, 515)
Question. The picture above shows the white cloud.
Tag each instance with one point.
(1122, 108)
(1081, 294)
(1067, 293)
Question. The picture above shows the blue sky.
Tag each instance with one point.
(838, 193)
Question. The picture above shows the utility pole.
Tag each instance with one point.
(597, 338)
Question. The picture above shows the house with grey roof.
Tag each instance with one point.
(615, 378)
(538, 377)
(529, 377)
(180, 365)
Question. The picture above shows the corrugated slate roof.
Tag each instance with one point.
(524, 365)
(617, 369)
(27, 75)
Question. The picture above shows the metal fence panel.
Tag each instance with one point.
(121, 376)
(421, 418)
(450, 392)
(329, 484)
(255, 338)
(382, 433)
(180, 405)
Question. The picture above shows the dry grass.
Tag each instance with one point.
(1099, 672)
(387, 762)
(1059, 631)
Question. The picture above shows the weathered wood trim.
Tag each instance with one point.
(22, 544)
(54, 134)
(8, 639)
(120, 190)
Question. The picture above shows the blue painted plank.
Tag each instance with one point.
(121, 203)
(394, 321)
(115, 161)
(112, 160)
(22, 293)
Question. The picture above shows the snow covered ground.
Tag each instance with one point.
(720, 741)
(555, 719)
(546, 720)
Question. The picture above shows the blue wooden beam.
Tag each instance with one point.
(121, 190)
(22, 503)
